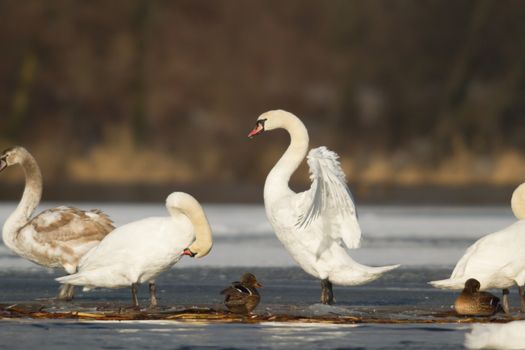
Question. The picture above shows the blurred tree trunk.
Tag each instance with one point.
(448, 123)
(140, 25)
(20, 101)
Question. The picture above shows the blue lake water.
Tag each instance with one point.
(426, 240)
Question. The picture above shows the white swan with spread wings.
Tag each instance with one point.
(318, 225)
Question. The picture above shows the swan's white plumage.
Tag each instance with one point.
(329, 197)
(317, 224)
(496, 336)
(139, 251)
(496, 260)
(134, 253)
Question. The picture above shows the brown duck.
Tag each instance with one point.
(242, 297)
(473, 302)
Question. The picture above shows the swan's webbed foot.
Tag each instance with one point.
(66, 292)
(505, 301)
(522, 298)
(152, 295)
(134, 298)
(327, 295)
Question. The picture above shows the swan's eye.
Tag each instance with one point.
(6, 155)
(261, 122)
(259, 128)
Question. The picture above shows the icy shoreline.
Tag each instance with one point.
(411, 236)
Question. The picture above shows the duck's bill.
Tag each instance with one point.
(3, 164)
(258, 284)
(259, 128)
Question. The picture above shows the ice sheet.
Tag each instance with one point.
(411, 236)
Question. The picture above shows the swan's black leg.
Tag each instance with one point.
(505, 301)
(522, 298)
(152, 294)
(327, 296)
(134, 289)
(66, 292)
(71, 292)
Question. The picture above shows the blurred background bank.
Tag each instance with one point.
(128, 100)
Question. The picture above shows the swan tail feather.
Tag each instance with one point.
(94, 278)
(357, 276)
(451, 283)
(77, 279)
(379, 270)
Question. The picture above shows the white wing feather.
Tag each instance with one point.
(330, 199)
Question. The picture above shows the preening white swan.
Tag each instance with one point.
(57, 237)
(496, 336)
(496, 260)
(315, 226)
(139, 251)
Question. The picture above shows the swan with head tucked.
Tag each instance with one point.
(315, 226)
(496, 260)
(56, 237)
(139, 251)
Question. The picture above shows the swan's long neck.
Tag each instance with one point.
(28, 203)
(276, 184)
(193, 210)
(203, 241)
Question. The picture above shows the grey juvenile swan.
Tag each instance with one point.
(57, 237)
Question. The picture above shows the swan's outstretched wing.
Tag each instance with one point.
(329, 199)
(65, 224)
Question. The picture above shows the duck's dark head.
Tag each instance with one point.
(249, 280)
(472, 285)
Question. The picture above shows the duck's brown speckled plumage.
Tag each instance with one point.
(242, 297)
(472, 302)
